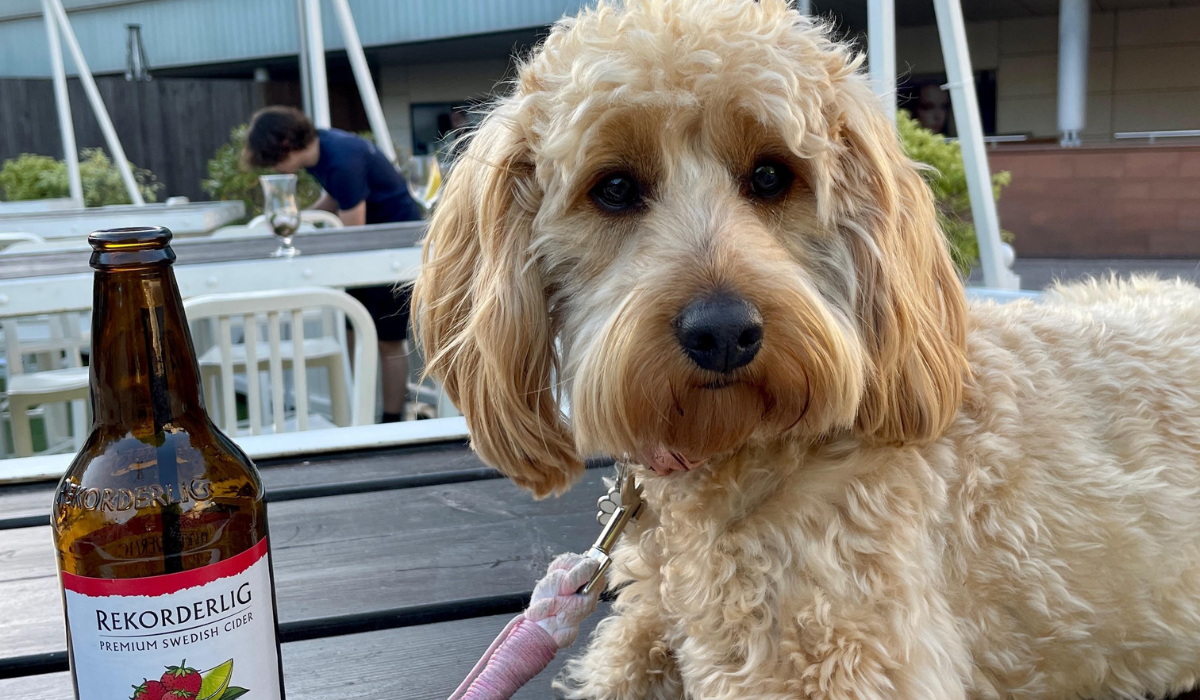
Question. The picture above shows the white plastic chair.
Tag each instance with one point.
(310, 220)
(22, 247)
(239, 231)
(50, 385)
(351, 405)
(9, 238)
(315, 218)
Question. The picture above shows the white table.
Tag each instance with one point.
(53, 223)
(359, 256)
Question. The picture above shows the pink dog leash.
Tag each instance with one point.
(562, 599)
(528, 643)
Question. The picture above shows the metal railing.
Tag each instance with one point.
(1005, 138)
(1153, 135)
(991, 141)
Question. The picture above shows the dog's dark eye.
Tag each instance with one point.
(770, 179)
(616, 192)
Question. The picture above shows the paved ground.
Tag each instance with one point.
(1037, 273)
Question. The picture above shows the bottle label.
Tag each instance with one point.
(203, 634)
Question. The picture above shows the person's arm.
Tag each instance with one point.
(326, 203)
(354, 216)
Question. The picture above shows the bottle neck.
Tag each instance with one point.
(143, 367)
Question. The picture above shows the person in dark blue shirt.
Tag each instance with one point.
(361, 186)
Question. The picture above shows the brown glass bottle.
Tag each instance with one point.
(160, 523)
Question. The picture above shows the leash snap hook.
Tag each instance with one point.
(621, 504)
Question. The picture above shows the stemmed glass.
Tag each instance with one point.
(283, 215)
(424, 177)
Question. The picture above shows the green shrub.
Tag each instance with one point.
(948, 179)
(30, 176)
(228, 180)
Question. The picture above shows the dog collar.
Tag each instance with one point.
(663, 460)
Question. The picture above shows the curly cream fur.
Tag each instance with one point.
(903, 497)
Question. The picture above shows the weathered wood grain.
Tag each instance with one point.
(23, 501)
(353, 554)
(414, 663)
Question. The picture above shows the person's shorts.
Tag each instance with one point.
(389, 306)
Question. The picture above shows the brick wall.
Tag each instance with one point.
(1110, 201)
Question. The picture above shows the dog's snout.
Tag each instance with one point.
(720, 333)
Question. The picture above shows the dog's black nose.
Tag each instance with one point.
(721, 332)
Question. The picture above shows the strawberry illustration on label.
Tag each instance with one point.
(185, 683)
(182, 678)
(148, 690)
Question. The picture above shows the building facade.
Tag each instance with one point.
(433, 59)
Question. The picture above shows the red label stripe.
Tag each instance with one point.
(167, 583)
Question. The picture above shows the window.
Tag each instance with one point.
(922, 95)
(435, 125)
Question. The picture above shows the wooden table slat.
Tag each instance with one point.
(353, 554)
(415, 663)
(324, 471)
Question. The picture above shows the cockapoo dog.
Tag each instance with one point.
(693, 219)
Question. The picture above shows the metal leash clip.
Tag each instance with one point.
(621, 504)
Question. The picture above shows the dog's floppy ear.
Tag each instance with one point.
(911, 306)
(480, 311)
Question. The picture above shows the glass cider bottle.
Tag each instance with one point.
(159, 523)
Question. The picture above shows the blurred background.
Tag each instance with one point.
(213, 62)
(1090, 113)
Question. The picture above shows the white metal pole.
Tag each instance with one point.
(362, 76)
(302, 35)
(953, 35)
(316, 64)
(881, 51)
(93, 94)
(62, 102)
(1072, 69)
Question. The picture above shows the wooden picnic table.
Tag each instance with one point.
(394, 570)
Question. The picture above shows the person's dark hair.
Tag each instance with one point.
(274, 133)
